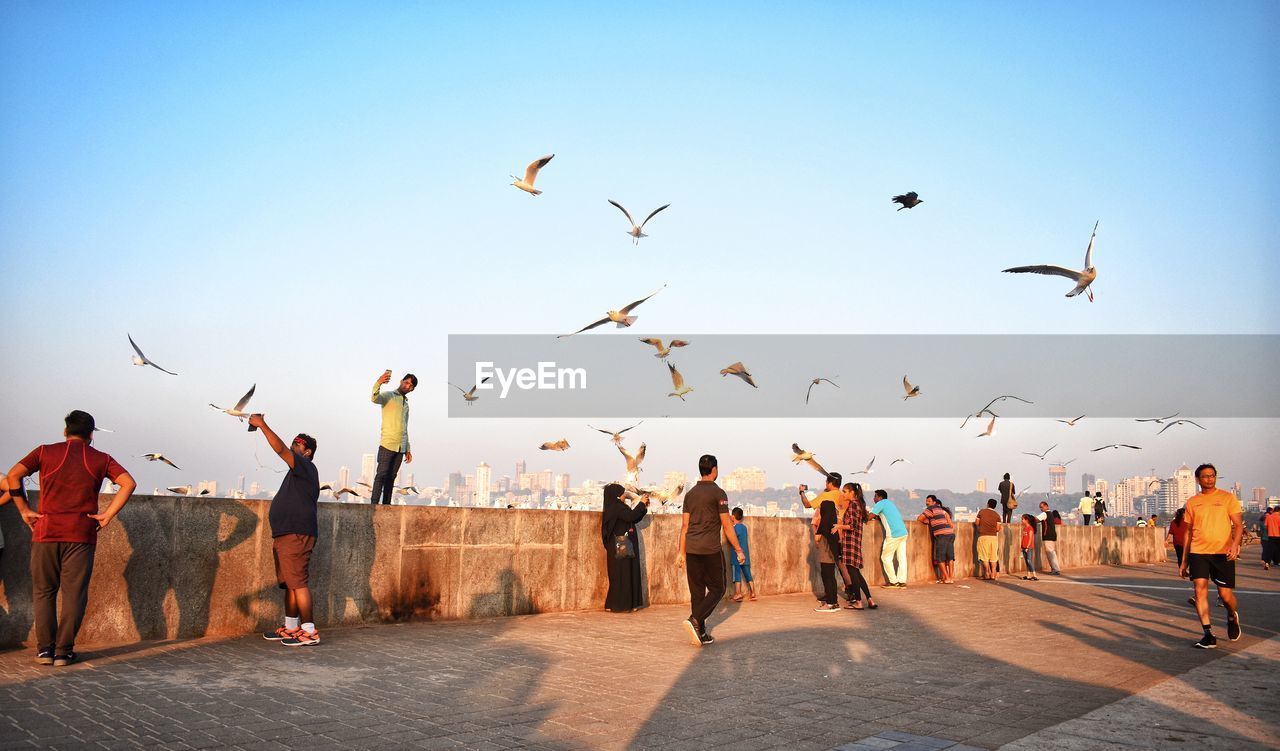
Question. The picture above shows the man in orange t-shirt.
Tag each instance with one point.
(1215, 523)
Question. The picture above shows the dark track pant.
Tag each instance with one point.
(64, 566)
(706, 585)
(1086, 519)
(384, 477)
(828, 582)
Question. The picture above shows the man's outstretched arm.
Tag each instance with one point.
(284, 452)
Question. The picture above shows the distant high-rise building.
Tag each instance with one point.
(562, 484)
(670, 480)
(746, 478)
(981, 486)
(1186, 479)
(1057, 480)
(254, 489)
(521, 468)
(368, 464)
(483, 479)
(453, 486)
(1087, 483)
(504, 484)
(1167, 497)
(1259, 495)
(240, 485)
(1235, 490)
(543, 481)
(344, 478)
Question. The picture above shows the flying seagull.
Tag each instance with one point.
(911, 390)
(470, 396)
(739, 370)
(908, 200)
(238, 410)
(619, 317)
(186, 490)
(616, 435)
(1043, 455)
(662, 494)
(807, 457)
(991, 428)
(987, 409)
(531, 174)
(153, 457)
(1072, 422)
(815, 382)
(347, 491)
(1082, 278)
(408, 490)
(1117, 446)
(140, 359)
(867, 469)
(677, 381)
(1063, 464)
(633, 462)
(1180, 422)
(664, 351)
(1157, 420)
(637, 232)
(895, 461)
(364, 484)
(326, 486)
(559, 445)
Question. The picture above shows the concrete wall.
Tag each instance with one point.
(183, 568)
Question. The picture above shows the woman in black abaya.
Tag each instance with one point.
(619, 519)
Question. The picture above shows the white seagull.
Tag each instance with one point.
(1117, 446)
(238, 410)
(911, 390)
(155, 457)
(865, 470)
(807, 457)
(616, 435)
(531, 174)
(1082, 278)
(815, 382)
(1181, 422)
(470, 396)
(1043, 455)
(895, 461)
(1072, 422)
(633, 462)
(1157, 420)
(141, 360)
(619, 317)
(677, 381)
(664, 351)
(347, 491)
(987, 409)
(559, 445)
(991, 428)
(637, 232)
(739, 370)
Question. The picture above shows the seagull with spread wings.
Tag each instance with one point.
(1041, 456)
(470, 395)
(991, 428)
(559, 445)
(1083, 278)
(865, 470)
(677, 381)
(1117, 446)
(807, 457)
(141, 360)
(1072, 422)
(664, 351)
(987, 409)
(619, 317)
(739, 370)
(911, 390)
(815, 382)
(531, 174)
(1157, 420)
(238, 410)
(895, 461)
(1181, 422)
(637, 232)
(633, 462)
(616, 435)
(155, 457)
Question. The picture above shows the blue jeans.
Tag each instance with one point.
(384, 477)
(1028, 555)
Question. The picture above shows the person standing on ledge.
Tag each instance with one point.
(64, 530)
(1007, 504)
(706, 514)
(393, 446)
(1086, 508)
(292, 517)
(1215, 523)
(1099, 509)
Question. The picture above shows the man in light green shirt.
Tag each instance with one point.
(394, 443)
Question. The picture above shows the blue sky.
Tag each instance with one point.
(300, 197)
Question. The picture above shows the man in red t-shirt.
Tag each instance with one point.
(64, 530)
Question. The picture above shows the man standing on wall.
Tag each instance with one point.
(706, 514)
(1215, 523)
(292, 517)
(64, 530)
(1086, 508)
(393, 446)
(1007, 504)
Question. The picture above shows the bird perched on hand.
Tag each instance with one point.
(908, 200)
(739, 370)
(531, 174)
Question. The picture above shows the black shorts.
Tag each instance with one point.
(1213, 566)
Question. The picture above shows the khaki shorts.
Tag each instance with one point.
(989, 548)
(292, 554)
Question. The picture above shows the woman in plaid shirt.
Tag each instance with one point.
(850, 529)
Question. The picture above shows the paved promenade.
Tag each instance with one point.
(1097, 659)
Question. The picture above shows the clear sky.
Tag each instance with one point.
(300, 197)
